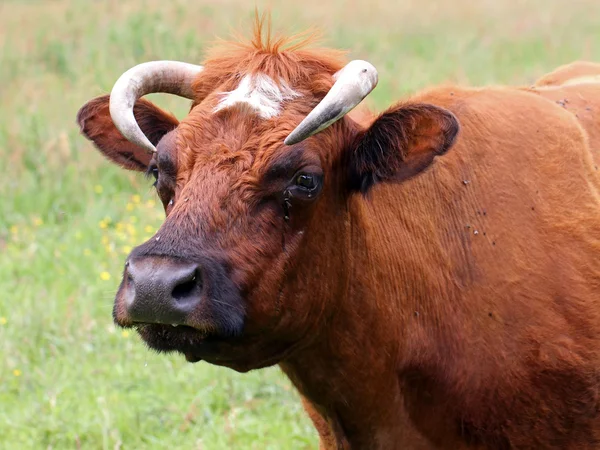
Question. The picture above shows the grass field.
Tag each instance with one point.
(68, 378)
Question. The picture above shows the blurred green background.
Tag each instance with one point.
(68, 378)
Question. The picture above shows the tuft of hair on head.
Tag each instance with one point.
(263, 39)
(295, 60)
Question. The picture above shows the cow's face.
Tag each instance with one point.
(251, 250)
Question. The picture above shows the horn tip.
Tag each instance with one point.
(290, 140)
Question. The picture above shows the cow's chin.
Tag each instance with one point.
(194, 343)
(197, 345)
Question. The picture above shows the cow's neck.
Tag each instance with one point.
(351, 371)
(349, 382)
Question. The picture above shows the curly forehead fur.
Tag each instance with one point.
(286, 59)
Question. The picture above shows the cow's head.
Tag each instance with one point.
(255, 183)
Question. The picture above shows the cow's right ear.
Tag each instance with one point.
(96, 124)
(400, 144)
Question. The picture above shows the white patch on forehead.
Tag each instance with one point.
(259, 92)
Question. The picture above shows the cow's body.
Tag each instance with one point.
(472, 316)
(419, 303)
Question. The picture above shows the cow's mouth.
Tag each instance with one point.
(238, 352)
(193, 343)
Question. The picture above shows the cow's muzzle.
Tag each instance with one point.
(167, 290)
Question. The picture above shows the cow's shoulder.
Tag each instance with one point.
(576, 88)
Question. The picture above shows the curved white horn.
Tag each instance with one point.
(172, 77)
(353, 83)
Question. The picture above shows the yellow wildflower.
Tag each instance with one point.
(133, 219)
(136, 198)
(149, 229)
(150, 203)
(3, 321)
(105, 240)
(87, 252)
(103, 224)
(14, 229)
(98, 189)
(126, 249)
(129, 207)
(125, 333)
(17, 373)
(37, 221)
(105, 276)
(119, 226)
(131, 229)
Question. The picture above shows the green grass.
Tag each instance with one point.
(68, 378)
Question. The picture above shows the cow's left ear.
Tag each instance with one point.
(97, 125)
(400, 144)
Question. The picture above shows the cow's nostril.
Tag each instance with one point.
(188, 287)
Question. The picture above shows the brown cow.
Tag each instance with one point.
(428, 278)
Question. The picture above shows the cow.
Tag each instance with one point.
(427, 277)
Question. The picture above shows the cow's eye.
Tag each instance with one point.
(154, 171)
(307, 181)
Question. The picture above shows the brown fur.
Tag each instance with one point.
(454, 308)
